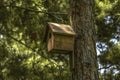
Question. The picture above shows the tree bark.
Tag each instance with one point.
(85, 57)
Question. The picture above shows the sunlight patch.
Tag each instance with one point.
(1, 36)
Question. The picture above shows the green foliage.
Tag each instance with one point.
(23, 55)
(108, 33)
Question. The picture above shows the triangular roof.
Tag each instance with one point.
(61, 28)
(58, 29)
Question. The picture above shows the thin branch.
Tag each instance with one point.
(29, 47)
(105, 67)
(1, 27)
(33, 10)
(57, 17)
(17, 40)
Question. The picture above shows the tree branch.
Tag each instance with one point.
(29, 47)
(29, 9)
(105, 67)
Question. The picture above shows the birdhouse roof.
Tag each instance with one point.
(61, 28)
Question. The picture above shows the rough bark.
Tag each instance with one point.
(82, 20)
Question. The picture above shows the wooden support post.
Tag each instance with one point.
(71, 59)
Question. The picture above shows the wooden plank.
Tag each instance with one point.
(61, 28)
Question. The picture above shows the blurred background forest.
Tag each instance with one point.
(23, 55)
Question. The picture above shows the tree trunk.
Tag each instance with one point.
(85, 57)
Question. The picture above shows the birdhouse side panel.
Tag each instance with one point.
(50, 44)
(63, 42)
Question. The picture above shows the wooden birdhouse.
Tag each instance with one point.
(59, 38)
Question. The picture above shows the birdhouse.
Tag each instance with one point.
(59, 38)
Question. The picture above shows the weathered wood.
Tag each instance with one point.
(60, 38)
(50, 39)
(61, 29)
(63, 42)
